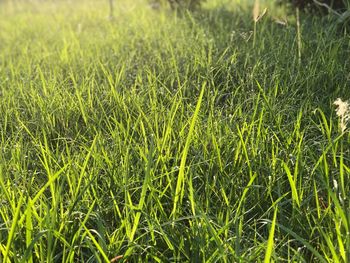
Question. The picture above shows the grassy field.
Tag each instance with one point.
(155, 137)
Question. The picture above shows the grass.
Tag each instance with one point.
(156, 137)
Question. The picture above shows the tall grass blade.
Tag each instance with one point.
(29, 229)
(97, 245)
(270, 242)
(14, 225)
(179, 191)
(292, 184)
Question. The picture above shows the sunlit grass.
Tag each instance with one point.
(171, 138)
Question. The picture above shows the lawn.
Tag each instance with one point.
(156, 136)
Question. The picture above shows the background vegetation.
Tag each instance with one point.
(335, 4)
(153, 137)
(178, 4)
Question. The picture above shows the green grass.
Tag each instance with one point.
(171, 138)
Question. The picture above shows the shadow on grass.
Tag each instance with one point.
(270, 54)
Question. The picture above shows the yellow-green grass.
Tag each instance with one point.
(171, 137)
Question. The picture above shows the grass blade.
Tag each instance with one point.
(292, 184)
(270, 242)
(179, 191)
(13, 228)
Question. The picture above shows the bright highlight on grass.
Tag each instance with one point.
(162, 136)
(343, 112)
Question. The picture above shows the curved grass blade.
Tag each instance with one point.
(13, 228)
(270, 243)
(181, 176)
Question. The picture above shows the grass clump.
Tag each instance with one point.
(157, 137)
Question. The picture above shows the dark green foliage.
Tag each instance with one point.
(340, 9)
(320, 5)
(179, 4)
